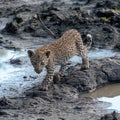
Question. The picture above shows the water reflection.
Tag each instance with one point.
(6, 69)
(108, 91)
(12, 82)
(115, 103)
(97, 54)
(4, 21)
(110, 94)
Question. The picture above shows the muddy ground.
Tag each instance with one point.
(20, 29)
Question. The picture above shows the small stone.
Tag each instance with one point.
(61, 118)
(56, 78)
(15, 115)
(40, 119)
(2, 113)
(33, 77)
(117, 47)
(24, 77)
(1, 41)
(16, 61)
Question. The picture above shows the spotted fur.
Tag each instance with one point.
(59, 52)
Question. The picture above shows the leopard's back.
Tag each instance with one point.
(66, 46)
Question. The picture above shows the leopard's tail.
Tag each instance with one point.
(88, 41)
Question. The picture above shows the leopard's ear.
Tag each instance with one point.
(30, 53)
(47, 54)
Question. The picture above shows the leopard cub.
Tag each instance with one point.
(58, 52)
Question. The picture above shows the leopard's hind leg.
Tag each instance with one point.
(82, 51)
(85, 59)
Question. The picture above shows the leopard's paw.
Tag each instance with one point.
(84, 67)
(44, 87)
(56, 78)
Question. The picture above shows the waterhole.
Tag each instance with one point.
(16, 78)
(109, 94)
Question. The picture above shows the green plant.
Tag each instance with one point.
(107, 19)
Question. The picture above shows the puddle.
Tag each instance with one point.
(114, 102)
(108, 94)
(35, 1)
(96, 54)
(4, 21)
(12, 80)
(18, 3)
(41, 1)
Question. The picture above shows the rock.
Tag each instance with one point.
(25, 77)
(105, 13)
(112, 116)
(60, 118)
(1, 37)
(40, 119)
(64, 15)
(29, 29)
(9, 44)
(117, 47)
(107, 4)
(40, 33)
(107, 29)
(100, 72)
(87, 2)
(4, 102)
(12, 27)
(104, 36)
(3, 113)
(19, 22)
(115, 20)
(23, 16)
(56, 92)
(16, 61)
(1, 41)
(18, 19)
(102, 20)
(112, 70)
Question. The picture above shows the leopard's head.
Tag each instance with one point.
(38, 60)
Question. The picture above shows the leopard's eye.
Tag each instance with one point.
(42, 63)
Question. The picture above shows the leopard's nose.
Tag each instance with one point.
(37, 71)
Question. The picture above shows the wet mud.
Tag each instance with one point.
(20, 30)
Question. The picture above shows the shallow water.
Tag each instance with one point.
(114, 102)
(35, 1)
(109, 94)
(97, 54)
(14, 79)
(4, 21)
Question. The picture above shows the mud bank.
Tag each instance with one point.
(64, 99)
(20, 29)
(60, 16)
(18, 73)
(100, 72)
(60, 102)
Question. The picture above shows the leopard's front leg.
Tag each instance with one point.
(49, 77)
(57, 76)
